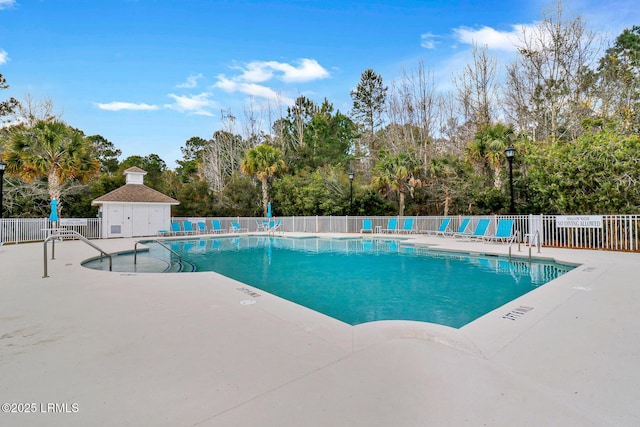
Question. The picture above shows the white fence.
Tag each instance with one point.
(615, 233)
(19, 230)
(605, 232)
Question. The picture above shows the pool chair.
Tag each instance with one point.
(479, 232)
(175, 228)
(504, 232)
(392, 226)
(442, 230)
(366, 226)
(188, 227)
(215, 226)
(461, 229)
(202, 227)
(262, 225)
(407, 226)
(235, 228)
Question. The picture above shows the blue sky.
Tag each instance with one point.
(149, 74)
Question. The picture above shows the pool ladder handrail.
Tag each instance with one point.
(135, 249)
(537, 240)
(273, 229)
(70, 233)
(516, 237)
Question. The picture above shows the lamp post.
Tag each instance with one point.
(3, 166)
(510, 153)
(351, 176)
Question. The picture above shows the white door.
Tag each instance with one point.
(157, 219)
(127, 221)
(140, 220)
(114, 220)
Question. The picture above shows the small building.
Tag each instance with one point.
(134, 210)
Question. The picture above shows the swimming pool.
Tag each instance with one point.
(362, 280)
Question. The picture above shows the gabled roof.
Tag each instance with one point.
(135, 193)
(135, 169)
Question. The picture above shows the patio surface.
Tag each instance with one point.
(92, 348)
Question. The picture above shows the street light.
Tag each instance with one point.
(3, 166)
(510, 153)
(351, 176)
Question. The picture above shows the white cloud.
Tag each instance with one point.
(118, 106)
(191, 82)
(251, 89)
(428, 40)
(7, 4)
(493, 39)
(303, 71)
(256, 72)
(192, 104)
(4, 57)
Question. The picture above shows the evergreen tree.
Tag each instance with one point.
(369, 100)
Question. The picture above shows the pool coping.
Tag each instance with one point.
(407, 242)
(499, 345)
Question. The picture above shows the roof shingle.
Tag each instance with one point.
(135, 193)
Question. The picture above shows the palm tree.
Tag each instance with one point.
(50, 149)
(263, 161)
(444, 170)
(488, 147)
(397, 172)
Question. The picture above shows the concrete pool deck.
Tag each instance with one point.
(89, 347)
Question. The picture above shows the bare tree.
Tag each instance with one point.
(453, 131)
(411, 109)
(30, 111)
(253, 123)
(546, 95)
(223, 154)
(477, 91)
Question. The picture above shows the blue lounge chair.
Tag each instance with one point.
(215, 226)
(366, 226)
(202, 227)
(442, 230)
(175, 228)
(392, 226)
(235, 228)
(504, 231)
(407, 226)
(188, 227)
(479, 232)
(461, 229)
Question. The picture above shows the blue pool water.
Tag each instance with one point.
(363, 280)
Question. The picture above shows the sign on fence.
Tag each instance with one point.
(579, 221)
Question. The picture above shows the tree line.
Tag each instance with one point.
(569, 108)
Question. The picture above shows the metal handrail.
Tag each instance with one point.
(273, 229)
(70, 233)
(135, 249)
(515, 237)
(537, 240)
